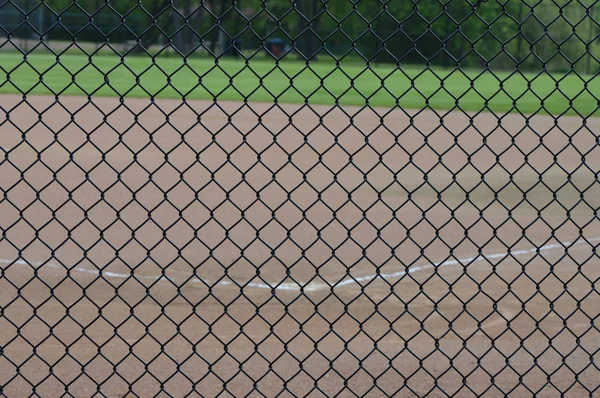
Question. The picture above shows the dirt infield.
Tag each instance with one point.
(195, 247)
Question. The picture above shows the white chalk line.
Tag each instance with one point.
(316, 286)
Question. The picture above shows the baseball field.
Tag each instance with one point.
(308, 246)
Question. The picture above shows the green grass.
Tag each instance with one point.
(292, 82)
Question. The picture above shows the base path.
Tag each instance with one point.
(211, 247)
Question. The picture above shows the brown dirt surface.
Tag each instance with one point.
(215, 248)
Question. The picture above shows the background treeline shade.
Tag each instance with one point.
(556, 35)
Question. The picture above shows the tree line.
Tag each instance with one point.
(558, 35)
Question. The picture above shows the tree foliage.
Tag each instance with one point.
(506, 34)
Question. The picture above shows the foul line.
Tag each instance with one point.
(316, 286)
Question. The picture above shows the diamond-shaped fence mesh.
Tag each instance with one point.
(299, 198)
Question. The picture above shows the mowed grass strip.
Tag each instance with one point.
(324, 82)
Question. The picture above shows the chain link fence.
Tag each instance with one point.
(299, 198)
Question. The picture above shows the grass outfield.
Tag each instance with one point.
(293, 82)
